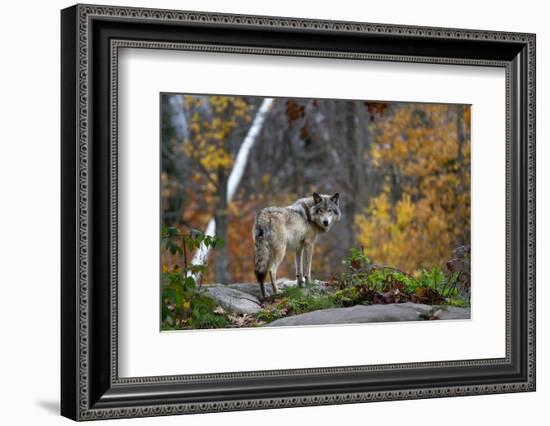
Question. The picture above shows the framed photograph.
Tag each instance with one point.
(263, 212)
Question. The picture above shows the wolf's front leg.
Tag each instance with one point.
(308, 254)
(299, 270)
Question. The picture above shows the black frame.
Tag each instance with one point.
(91, 37)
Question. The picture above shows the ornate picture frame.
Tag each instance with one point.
(91, 38)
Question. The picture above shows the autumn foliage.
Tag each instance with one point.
(423, 208)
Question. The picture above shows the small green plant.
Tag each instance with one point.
(431, 278)
(350, 296)
(357, 259)
(183, 304)
(271, 313)
(458, 301)
(297, 300)
(309, 303)
(363, 282)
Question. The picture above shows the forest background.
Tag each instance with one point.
(402, 169)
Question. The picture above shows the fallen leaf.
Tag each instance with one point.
(219, 310)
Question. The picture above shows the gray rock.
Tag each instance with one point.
(232, 299)
(254, 288)
(373, 313)
(454, 312)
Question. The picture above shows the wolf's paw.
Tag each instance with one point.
(300, 281)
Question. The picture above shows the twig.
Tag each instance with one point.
(184, 255)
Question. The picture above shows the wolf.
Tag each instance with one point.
(295, 227)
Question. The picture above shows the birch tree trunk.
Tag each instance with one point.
(230, 188)
(177, 116)
(221, 218)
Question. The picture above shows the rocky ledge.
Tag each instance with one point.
(243, 298)
(375, 313)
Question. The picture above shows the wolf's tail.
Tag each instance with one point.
(261, 250)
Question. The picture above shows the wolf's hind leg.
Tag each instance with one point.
(262, 289)
(278, 257)
(273, 277)
(299, 268)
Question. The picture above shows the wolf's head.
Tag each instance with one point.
(325, 210)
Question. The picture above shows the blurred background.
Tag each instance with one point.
(402, 171)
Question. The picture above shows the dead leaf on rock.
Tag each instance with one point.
(219, 310)
(436, 315)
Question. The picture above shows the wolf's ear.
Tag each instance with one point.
(335, 198)
(316, 198)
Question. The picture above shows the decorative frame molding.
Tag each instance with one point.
(91, 37)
